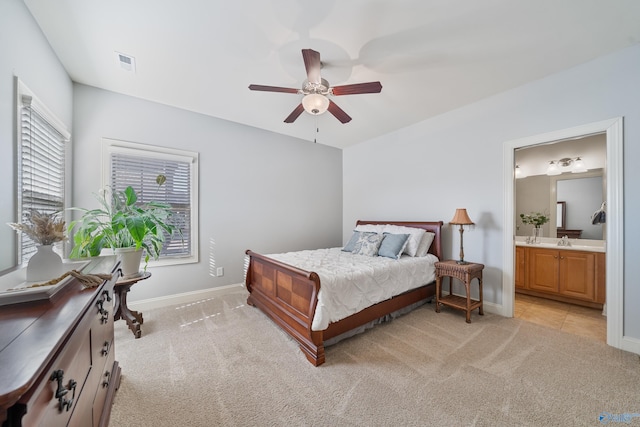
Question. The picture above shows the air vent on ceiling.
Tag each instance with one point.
(126, 62)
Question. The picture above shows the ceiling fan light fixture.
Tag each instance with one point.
(315, 104)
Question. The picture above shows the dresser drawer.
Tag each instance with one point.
(59, 391)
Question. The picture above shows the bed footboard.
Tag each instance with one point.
(288, 296)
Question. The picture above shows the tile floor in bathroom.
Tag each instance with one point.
(584, 321)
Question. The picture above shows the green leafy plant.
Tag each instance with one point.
(536, 219)
(121, 222)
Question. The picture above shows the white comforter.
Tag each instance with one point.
(350, 283)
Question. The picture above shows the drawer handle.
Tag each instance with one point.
(106, 294)
(105, 383)
(101, 309)
(61, 392)
(105, 349)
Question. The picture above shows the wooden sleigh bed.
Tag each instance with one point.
(289, 295)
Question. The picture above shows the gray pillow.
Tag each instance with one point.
(352, 242)
(368, 244)
(392, 245)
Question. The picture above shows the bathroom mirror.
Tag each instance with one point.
(579, 194)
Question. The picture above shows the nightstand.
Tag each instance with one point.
(465, 273)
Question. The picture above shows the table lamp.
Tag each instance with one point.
(461, 218)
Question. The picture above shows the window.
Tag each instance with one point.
(138, 166)
(42, 144)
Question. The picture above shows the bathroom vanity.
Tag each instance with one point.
(573, 274)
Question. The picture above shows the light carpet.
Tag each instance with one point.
(220, 362)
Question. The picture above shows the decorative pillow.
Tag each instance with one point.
(425, 243)
(392, 245)
(352, 242)
(368, 244)
(414, 240)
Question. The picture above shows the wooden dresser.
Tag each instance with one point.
(57, 364)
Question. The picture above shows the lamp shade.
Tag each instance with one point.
(461, 218)
(578, 166)
(315, 104)
(553, 169)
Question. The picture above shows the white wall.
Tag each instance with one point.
(258, 190)
(532, 195)
(454, 160)
(25, 53)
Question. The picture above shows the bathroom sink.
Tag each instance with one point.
(554, 245)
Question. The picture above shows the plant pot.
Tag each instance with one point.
(44, 265)
(129, 261)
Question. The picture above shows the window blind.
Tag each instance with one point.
(40, 170)
(140, 172)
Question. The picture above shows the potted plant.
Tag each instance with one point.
(536, 219)
(123, 225)
(45, 230)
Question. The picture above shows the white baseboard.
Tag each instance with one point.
(631, 344)
(183, 298)
(489, 307)
(628, 344)
(493, 308)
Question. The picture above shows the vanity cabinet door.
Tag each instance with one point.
(520, 281)
(577, 274)
(543, 270)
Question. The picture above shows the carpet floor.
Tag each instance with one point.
(219, 362)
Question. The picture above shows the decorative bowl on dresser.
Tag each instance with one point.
(57, 365)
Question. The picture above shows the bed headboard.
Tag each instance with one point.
(432, 226)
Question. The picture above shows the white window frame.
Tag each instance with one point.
(24, 97)
(135, 149)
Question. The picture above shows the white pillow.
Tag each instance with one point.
(415, 237)
(371, 228)
(425, 243)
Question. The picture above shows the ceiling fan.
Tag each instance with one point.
(317, 90)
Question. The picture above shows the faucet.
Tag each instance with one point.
(564, 241)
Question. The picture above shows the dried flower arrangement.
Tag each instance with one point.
(42, 228)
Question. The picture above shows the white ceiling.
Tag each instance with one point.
(431, 56)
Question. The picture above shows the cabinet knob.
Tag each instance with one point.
(105, 383)
(105, 349)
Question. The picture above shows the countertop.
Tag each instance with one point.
(574, 244)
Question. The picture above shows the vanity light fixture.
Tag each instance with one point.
(519, 173)
(576, 165)
(553, 169)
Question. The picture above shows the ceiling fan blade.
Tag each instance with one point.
(312, 64)
(354, 89)
(338, 112)
(273, 89)
(294, 114)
